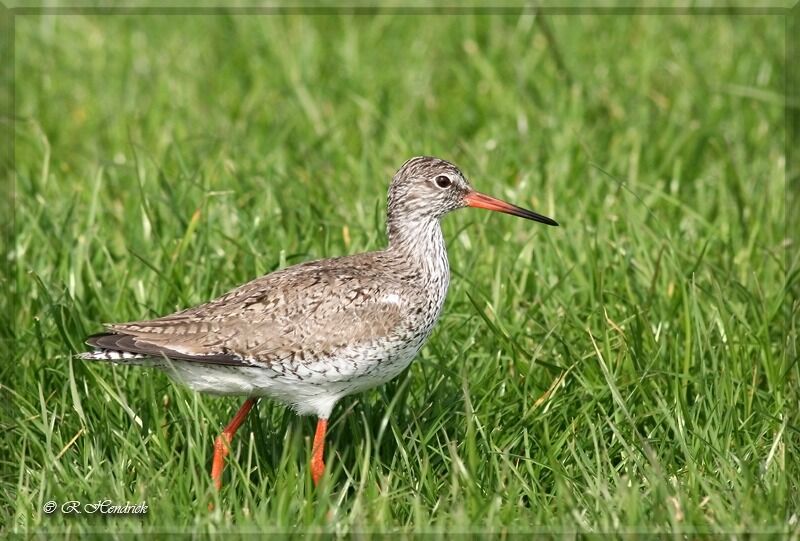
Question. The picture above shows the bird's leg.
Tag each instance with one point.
(222, 443)
(318, 451)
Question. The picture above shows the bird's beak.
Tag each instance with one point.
(482, 201)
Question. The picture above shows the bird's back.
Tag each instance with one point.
(307, 311)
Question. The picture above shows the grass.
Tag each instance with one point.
(630, 371)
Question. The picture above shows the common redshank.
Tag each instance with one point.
(310, 334)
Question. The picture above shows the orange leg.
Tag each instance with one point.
(222, 443)
(318, 451)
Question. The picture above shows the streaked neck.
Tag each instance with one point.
(420, 240)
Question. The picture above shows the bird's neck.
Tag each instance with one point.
(421, 241)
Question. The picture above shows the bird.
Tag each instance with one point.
(310, 334)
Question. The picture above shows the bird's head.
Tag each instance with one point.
(426, 188)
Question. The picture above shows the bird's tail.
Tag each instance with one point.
(109, 355)
(100, 353)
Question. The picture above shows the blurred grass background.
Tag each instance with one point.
(629, 371)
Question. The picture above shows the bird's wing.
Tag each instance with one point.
(311, 310)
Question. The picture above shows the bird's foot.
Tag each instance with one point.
(317, 469)
(221, 447)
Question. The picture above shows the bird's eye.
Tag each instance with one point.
(443, 181)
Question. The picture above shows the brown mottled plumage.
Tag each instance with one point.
(310, 334)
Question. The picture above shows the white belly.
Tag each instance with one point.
(311, 388)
